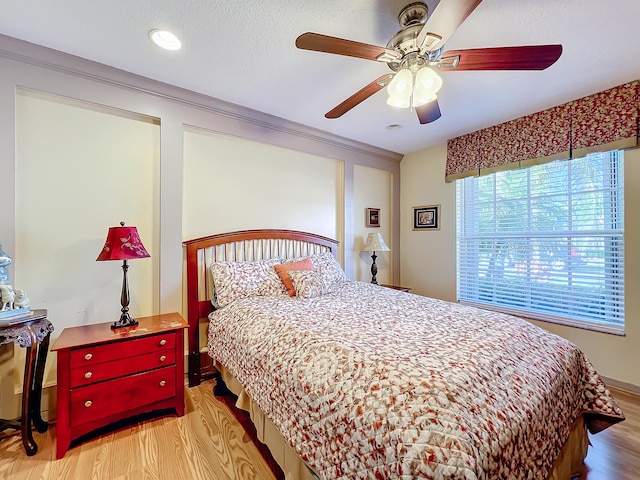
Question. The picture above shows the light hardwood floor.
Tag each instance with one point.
(615, 452)
(208, 443)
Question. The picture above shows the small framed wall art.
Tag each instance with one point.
(426, 217)
(372, 217)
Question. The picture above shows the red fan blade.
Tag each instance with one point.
(340, 46)
(429, 112)
(530, 57)
(445, 19)
(360, 96)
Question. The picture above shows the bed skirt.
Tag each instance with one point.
(569, 464)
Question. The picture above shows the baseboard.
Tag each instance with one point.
(627, 387)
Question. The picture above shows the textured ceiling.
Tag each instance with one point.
(243, 52)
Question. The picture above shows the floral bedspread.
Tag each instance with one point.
(369, 382)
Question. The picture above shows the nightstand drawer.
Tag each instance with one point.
(108, 352)
(120, 395)
(88, 374)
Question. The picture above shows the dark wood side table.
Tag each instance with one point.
(33, 333)
(105, 375)
(397, 287)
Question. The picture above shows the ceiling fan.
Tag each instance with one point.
(416, 50)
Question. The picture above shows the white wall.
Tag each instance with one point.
(231, 184)
(615, 357)
(373, 188)
(69, 154)
(428, 262)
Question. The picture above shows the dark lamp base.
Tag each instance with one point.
(374, 269)
(125, 319)
(124, 322)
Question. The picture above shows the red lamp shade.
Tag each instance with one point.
(123, 243)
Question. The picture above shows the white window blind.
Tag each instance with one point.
(546, 242)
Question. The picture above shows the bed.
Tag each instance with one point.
(352, 380)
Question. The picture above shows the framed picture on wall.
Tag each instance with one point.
(372, 217)
(426, 217)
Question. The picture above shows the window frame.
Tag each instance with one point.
(467, 191)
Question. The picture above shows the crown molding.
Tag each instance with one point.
(55, 60)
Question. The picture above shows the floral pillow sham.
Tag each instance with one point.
(327, 266)
(236, 280)
(312, 283)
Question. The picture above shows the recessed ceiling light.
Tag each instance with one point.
(165, 39)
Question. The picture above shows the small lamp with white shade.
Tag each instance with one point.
(375, 243)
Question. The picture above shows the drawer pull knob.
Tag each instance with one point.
(163, 358)
(163, 383)
(88, 356)
(163, 342)
(88, 375)
(88, 403)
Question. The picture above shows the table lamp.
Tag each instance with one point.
(375, 243)
(123, 243)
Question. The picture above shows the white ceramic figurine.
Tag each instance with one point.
(22, 300)
(8, 296)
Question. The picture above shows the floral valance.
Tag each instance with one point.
(608, 120)
(604, 121)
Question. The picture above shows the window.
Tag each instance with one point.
(546, 242)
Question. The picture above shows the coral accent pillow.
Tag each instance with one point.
(282, 270)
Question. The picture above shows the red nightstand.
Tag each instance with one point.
(107, 375)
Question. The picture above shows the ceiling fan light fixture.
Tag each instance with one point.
(165, 39)
(400, 89)
(399, 102)
(401, 84)
(427, 81)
